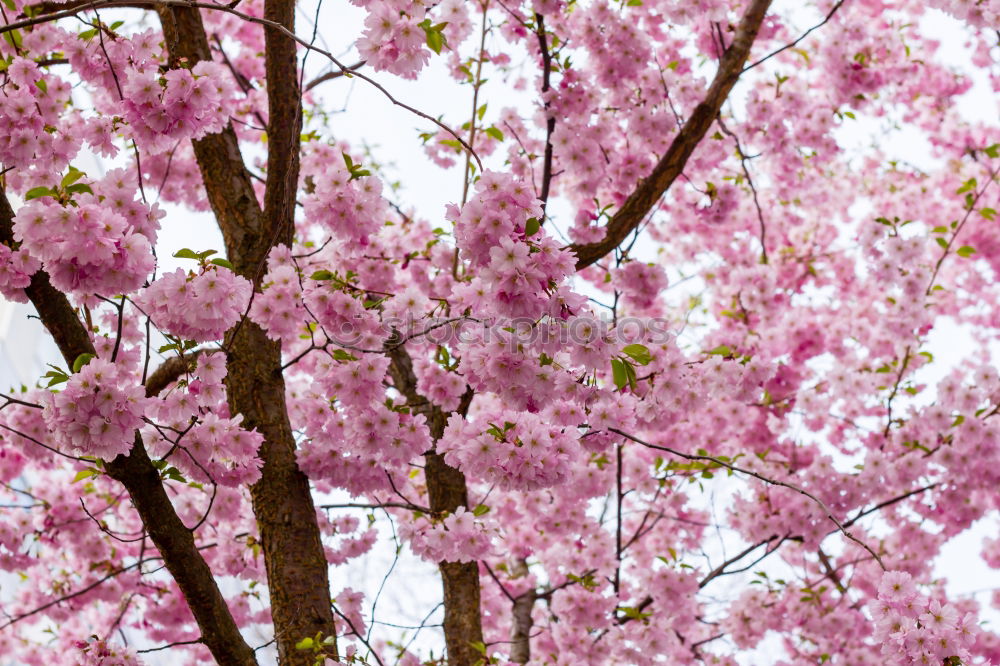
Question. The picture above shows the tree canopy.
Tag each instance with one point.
(658, 384)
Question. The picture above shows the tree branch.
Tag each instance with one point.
(136, 472)
(446, 488)
(170, 371)
(550, 120)
(670, 166)
(335, 74)
(297, 570)
(801, 37)
(774, 482)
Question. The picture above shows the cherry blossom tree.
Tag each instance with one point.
(663, 275)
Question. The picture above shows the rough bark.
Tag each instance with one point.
(670, 166)
(447, 491)
(227, 182)
(141, 479)
(520, 638)
(297, 570)
(170, 371)
(463, 625)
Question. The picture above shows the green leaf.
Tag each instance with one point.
(55, 376)
(321, 275)
(630, 374)
(618, 373)
(992, 151)
(222, 262)
(174, 474)
(599, 460)
(71, 177)
(942, 242)
(186, 253)
(341, 355)
(966, 186)
(85, 474)
(37, 192)
(305, 644)
(13, 38)
(435, 40)
(79, 188)
(965, 251)
(480, 510)
(988, 213)
(721, 350)
(640, 353)
(495, 133)
(82, 360)
(633, 613)
(531, 226)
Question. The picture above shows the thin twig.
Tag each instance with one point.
(760, 477)
(803, 36)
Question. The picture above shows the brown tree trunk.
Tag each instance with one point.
(447, 490)
(297, 570)
(463, 625)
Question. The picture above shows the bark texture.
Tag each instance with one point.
(297, 570)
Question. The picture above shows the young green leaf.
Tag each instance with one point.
(639, 353)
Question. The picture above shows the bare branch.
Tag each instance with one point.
(760, 477)
(803, 36)
(335, 74)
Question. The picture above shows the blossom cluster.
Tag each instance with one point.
(16, 269)
(522, 269)
(30, 110)
(162, 109)
(103, 653)
(348, 205)
(97, 411)
(395, 39)
(198, 306)
(88, 247)
(978, 13)
(459, 537)
(915, 629)
(279, 309)
(516, 450)
(214, 446)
